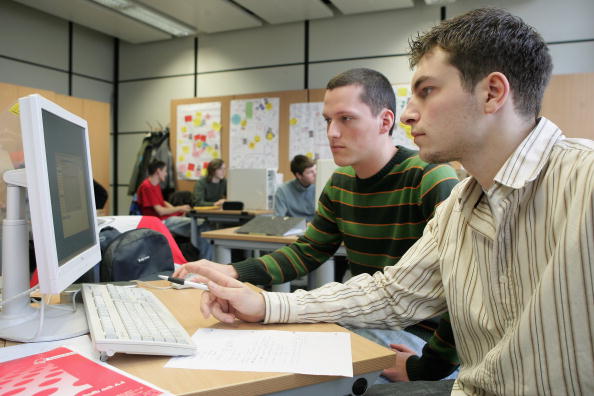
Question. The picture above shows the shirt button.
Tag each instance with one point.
(503, 279)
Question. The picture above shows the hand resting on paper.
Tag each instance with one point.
(193, 267)
(229, 299)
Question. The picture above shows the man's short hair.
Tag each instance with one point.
(377, 93)
(300, 163)
(154, 166)
(489, 40)
(212, 167)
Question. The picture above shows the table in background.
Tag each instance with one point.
(369, 359)
(226, 239)
(220, 217)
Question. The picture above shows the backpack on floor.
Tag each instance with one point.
(136, 254)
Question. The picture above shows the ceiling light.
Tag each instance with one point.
(148, 16)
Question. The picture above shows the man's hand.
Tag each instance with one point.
(398, 371)
(220, 202)
(230, 299)
(183, 208)
(194, 267)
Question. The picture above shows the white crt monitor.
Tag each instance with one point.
(59, 183)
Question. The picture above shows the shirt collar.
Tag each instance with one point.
(523, 166)
(299, 187)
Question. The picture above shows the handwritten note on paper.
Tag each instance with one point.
(315, 353)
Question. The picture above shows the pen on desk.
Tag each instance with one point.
(181, 281)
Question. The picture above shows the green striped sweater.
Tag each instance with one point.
(377, 218)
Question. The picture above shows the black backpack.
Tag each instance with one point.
(136, 254)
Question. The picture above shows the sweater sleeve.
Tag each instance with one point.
(320, 241)
(280, 202)
(439, 358)
(199, 196)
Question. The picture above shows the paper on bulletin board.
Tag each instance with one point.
(198, 138)
(254, 133)
(401, 134)
(307, 131)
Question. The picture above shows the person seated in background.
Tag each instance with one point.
(296, 198)
(150, 199)
(211, 190)
(378, 203)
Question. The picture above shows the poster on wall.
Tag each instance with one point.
(198, 138)
(307, 131)
(401, 134)
(254, 129)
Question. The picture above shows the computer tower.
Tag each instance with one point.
(324, 168)
(254, 187)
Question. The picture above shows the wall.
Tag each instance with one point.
(44, 55)
(271, 58)
(274, 58)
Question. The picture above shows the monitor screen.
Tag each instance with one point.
(69, 186)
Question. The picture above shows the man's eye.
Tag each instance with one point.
(426, 91)
(328, 120)
(346, 118)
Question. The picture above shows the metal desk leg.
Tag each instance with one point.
(222, 254)
(321, 275)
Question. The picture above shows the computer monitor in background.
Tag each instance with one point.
(324, 169)
(59, 183)
(254, 187)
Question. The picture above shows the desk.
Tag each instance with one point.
(220, 216)
(368, 360)
(226, 239)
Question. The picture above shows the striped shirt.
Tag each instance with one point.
(378, 219)
(514, 266)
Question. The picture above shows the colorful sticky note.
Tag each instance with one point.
(249, 109)
(186, 149)
(402, 91)
(293, 121)
(191, 166)
(216, 126)
(252, 145)
(188, 118)
(181, 158)
(257, 138)
(184, 129)
(243, 123)
(309, 154)
(269, 106)
(189, 174)
(197, 121)
(203, 171)
(236, 119)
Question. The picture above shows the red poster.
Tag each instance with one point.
(64, 372)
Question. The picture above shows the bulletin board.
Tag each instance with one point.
(568, 101)
(285, 99)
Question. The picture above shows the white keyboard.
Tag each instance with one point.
(132, 320)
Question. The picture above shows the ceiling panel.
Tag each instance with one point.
(207, 16)
(86, 13)
(282, 11)
(359, 6)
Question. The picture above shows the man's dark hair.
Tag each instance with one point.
(154, 166)
(300, 163)
(377, 93)
(489, 40)
(212, 166)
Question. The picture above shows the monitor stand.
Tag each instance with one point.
(19, 320)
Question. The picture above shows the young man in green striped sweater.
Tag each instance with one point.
(378, 203)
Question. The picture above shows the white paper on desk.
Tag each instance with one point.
(318, 353)
(82, 345)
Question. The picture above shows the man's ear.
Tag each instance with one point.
(387, 120)
(497, 92)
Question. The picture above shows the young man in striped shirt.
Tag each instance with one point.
(377, 203)
(510, 254)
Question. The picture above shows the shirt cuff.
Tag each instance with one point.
(280, 307)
